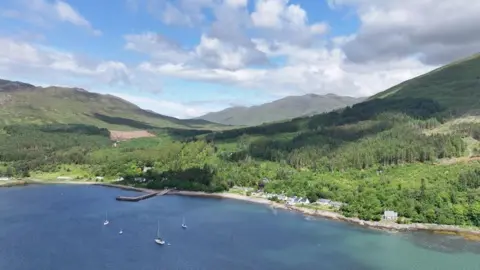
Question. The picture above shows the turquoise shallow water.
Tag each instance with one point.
(60, 227)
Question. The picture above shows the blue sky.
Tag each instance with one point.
(188, 57)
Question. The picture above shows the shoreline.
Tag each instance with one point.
(467, 233)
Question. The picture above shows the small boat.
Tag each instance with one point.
(106, 219)
(184, 225)
(158, 239)
(120, 232)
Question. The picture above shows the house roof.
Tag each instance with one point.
(390, 213)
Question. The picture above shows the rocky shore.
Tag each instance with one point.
(468, 233)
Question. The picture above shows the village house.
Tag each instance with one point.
(297, 200)
(390, 215)
(4, 178)
(330, 203)
(324, 201)
(140, 179)
(146, 169)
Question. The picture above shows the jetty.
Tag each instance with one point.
(142, 197)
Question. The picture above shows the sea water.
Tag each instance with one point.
(58, 227)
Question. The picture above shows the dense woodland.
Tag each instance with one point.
(373, 156)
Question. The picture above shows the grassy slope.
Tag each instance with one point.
(27, 104)
(456, 86)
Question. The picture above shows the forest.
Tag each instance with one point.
(374, 156)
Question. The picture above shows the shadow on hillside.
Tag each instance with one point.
(418, 108)
(179, 134)
(332, 130)
(123, 121)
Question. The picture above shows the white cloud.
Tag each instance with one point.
(158, 47)
(287, 22)
(313, 70)
(36, 61)
(43, 12)
(217, 54)
(438, 31)
(175, 109)
(210, 52)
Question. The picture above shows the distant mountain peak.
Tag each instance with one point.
(281, 109)
(6, 85)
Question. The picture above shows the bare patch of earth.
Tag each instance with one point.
(116, 135)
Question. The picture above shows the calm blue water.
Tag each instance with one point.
(61, 227)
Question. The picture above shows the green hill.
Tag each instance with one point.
(279, 110)
(455, 86)
(24, 103)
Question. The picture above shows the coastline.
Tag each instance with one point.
(13, 183)
(467, 233)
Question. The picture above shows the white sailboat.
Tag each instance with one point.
(184, 225)
(158, 239)
(106, 219)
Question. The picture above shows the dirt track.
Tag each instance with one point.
(457, 160)
(116, 135)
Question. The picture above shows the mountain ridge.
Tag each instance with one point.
(281, 109)
(26, 103)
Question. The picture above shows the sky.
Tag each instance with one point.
(185, 58)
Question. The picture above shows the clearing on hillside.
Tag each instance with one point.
(116, 135)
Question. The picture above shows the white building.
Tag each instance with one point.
(390, 215)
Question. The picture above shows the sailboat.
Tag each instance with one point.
(184, 225)
(158, 239)
(106, 219)
(120, 232)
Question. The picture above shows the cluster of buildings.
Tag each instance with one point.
(388, 215)
(295, 200)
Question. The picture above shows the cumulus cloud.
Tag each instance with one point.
(281, 20)
(175, 109)
(437, 31)
(160, 48)
(36, 61)
(313, 70)
(43, 12)
(210, 52)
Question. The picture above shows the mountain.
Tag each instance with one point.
(25, 103)
(282, 109)
(455, 86)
